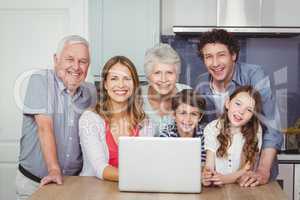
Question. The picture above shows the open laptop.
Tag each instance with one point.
(154, 164)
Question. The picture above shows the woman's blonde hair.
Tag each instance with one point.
(134, 108)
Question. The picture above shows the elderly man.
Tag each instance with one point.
(219, 51)
(53, 104)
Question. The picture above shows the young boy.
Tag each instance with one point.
(188, 108)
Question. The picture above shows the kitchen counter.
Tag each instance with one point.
(90, 188)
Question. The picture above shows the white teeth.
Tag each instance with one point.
(218, 69)
(120, 92)
(73, 73)
(164, 86)
(187, 126)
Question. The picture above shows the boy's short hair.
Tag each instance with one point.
(189, 97)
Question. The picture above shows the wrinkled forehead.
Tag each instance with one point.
(164, 67)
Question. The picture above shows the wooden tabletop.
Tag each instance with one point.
(90, 188)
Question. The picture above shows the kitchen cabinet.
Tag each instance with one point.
(229, 13)
(188, 13)
(280, 13)
(297, 182)
(126, 28)
(289, 175)
(286, 179)
(238, 12)
(30, 31)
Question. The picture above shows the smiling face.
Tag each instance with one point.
(163, 78)
(240, 109)
(71, 65)
(187, 118)
(119, 83)
(219, 61)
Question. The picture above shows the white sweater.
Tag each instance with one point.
(93, 143)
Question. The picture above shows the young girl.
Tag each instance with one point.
(233, 141)
(119, 112)
(188, 108)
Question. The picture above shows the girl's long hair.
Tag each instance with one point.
(249, 130)
(134, 109)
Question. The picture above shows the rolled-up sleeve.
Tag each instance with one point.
(270, 118)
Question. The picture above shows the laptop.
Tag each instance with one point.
(156, 164)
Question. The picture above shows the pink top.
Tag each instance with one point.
(113, 147)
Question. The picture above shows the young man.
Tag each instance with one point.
(219, 51)
(54, 101)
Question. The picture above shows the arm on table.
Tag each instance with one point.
(272, 137)
(94, 147)
(48, 146)
(262, 174)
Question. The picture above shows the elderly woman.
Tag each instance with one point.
(162, 69)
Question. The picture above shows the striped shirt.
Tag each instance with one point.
(170, 130)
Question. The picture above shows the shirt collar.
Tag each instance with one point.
(60, 83)
(237, 74)
(236, 78)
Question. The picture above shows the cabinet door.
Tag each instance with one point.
(297, 182)
(188, 13)
(286, 179)
(126, 28)
(239, 13)
(280, 13)
(30, 31)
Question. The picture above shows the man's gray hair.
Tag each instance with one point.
(70, 39)
(161, 53)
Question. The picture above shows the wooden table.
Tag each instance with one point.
(90, 188)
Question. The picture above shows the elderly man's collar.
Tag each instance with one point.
(62, 88)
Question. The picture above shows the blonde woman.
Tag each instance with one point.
(119, 112)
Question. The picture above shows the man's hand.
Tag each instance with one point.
(251, 179)
(54, 176)
(262, 174)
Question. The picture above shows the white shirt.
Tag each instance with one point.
(233, 162)
(93, 143)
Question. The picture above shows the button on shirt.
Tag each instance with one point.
(232, 162)
(47, 95)
(248, 74)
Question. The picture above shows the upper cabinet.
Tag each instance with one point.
(280, 13)
(187, 13)
(229, 13)
(238, 12)
(126, 28)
